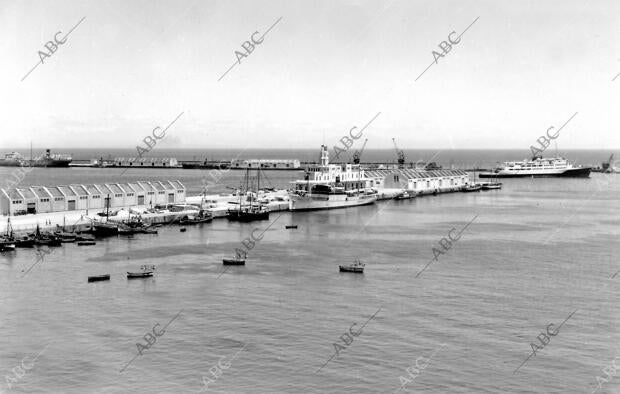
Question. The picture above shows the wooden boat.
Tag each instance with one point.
(65, 237)
(291, 226)
(24, 242)
(86, 243)
(146, 272)
(84, 237)
(203, 217)
(183, 229)
(7, 247)
(357, 267)
(491, 185)
(233, 261)
(99, 278)
(253, 211)
(138, 275)
(103, 229)
(471, 188)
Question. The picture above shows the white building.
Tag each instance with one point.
(42, 199)
(420, 182)
(266, 164)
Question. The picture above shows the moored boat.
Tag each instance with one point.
(233, 261)
(290, 226)
(99, 278)
(538, 167)
(491, 185)
(146, 271)
(86, 243)
(471, 188)
(7, 246)
(356, 267)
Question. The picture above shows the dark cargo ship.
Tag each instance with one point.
(15, 159)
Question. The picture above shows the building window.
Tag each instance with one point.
(162, 192)
(150, 193)
(118, 195)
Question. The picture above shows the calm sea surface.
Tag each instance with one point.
(537, 251)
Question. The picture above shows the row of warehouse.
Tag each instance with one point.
(420, 182)
(40, 199)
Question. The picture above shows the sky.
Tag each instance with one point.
(325, 67)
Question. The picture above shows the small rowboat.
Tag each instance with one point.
(98, 278)
(357, 267)
(138, 275)
(234, 261)
(291, 226)
(183, 229)
(86, 243)
(147, 272)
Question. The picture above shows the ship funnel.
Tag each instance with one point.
(324, 156)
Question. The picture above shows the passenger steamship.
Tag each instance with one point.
(329, 186)
(538, 167)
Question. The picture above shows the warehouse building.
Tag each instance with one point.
(420, 182)
(41, 199)
(266, 164)
(153, 162)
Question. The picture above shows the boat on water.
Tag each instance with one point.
(329, 186)
(249, 210)
(538, 167)
(9, 237)
(99, 278)
(6, 246)
(107, 228)
(14, 159)
(290, 226)
(233, 261)
(86, 243)
(474, 187)
(104, 229)
(356, 267)
(491, 185)
(146, 271)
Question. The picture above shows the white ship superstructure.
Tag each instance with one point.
(328, 186)
(538, 167)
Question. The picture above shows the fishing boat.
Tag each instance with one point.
(356, 267)
(104, 229)
(45, 239)
(474, 187)
(84, 237)
(146, 271)
(233, 261)
(291, 226)
(86, 243)
(252, 211)
(10, 238)
(98, 278)
(329, 186)
(6, 246)
(538, 167)
(491, 185)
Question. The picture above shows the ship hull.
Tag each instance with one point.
(570, 173)
(313, 203)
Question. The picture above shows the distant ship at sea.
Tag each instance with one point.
(538, 167)
(329, 186)
(15, 159)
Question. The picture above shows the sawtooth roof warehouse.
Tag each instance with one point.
(41, 199)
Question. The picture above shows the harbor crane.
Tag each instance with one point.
(358, 153)
(400, 155)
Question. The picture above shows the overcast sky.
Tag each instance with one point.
(327, 66)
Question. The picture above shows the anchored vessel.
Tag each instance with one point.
(538, 167)
(14, 159)
(328, 186)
